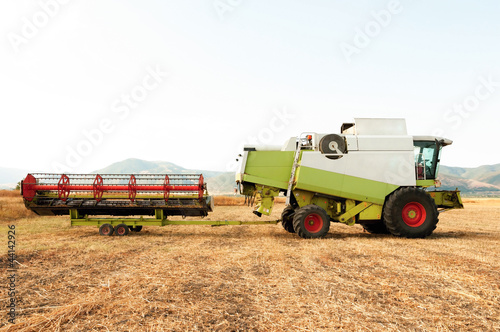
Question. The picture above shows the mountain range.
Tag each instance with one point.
(477, 181)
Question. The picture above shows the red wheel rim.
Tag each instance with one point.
(313, 223)
(63, 188)
(106, 230)
(97, 188)
(132, 190)
(414, 214)
(121, 230)
(166, 191)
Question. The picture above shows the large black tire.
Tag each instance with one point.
(311, 221)
(376, 228)
(410, 212)
(287, 219)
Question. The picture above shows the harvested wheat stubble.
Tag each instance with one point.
(179, 278)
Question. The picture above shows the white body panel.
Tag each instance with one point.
(352, 142)
(385, 143)
(393, 167)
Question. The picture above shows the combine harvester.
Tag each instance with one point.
(373, 174)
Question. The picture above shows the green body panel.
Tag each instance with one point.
(425, 183)
(265, 181)
(373, 212)
(265, 199)
(271, 168)
(447, 199)
(341, 185)
(349, 216)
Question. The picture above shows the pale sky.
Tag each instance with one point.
(84, 84)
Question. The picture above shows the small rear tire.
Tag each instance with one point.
(106, 230)
(376, 228)
(287, 219)
(121, 230)
(311, 221)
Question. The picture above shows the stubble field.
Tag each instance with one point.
(178, 278)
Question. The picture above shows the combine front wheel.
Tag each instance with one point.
(410, 212)
(311, 221)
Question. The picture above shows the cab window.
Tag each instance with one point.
(426, 159)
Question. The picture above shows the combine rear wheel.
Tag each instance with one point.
(287, 219)
(311, 221)
(106, 230)
(410, 212)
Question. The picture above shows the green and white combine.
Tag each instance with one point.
(372, 173)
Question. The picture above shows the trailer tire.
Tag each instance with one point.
(410, 212)
(376, 228)
(106, 230)
(287, 219)
(121, 230)
(311, 221)
(136, 228)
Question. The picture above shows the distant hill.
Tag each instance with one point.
(477, 181)
(217, 182)
(139, 166)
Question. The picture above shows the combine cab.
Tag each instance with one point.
(372, 173)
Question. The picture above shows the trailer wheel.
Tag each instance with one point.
(106, 230)
(410, 212)
(136, 228)
(121, 230)
(376, 228)
(287, 219)
(311, 221)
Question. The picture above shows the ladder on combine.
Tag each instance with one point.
(295, 166)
